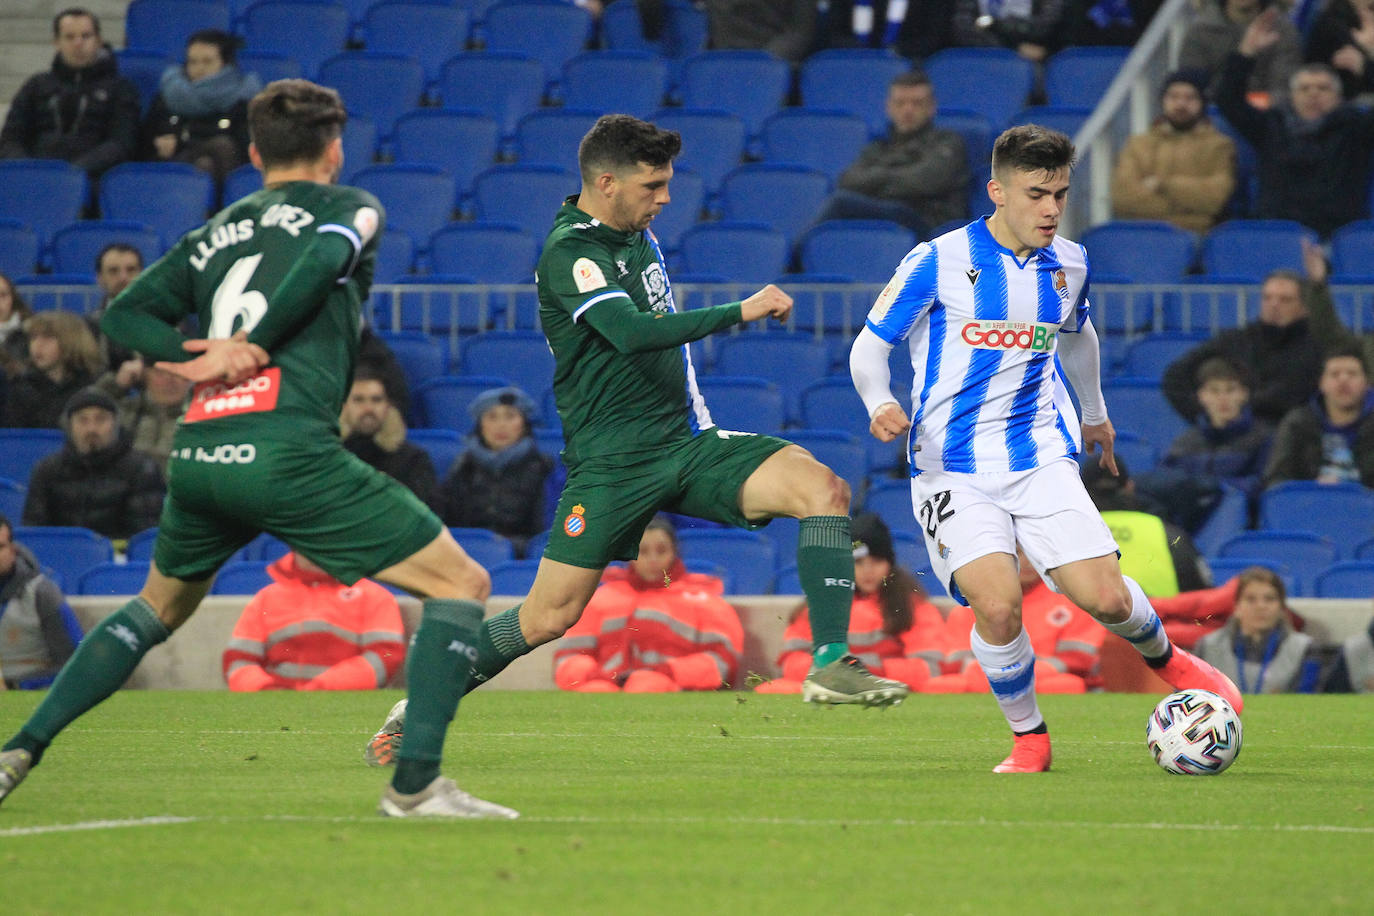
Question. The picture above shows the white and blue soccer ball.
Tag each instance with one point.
(1193, 733)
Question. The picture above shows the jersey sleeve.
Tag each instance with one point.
(145, 316)
(1082, 307)
(577, 275)
(907, 296)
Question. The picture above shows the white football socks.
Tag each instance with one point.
(1143, 628)
(1011, 673)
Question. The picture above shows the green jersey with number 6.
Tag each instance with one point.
(289, 265)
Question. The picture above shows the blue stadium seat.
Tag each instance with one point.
(868, 251)
(750, 252)
(1080, 76)
(270, 66)
(276, 26)
(419, 355)
(854, 80)
(751, 84)
(113, 578)
(73, 292)
(551, 33)
(840, 451)
(978, 135)
(715, 570)
(521, 356)
(782, 358)
(688, 191)
(712, 142)
(68, 551)
(514, 577)
(1148, 356)
(172, 198)
(788, 581)
(1137, 405)
(427, 32)
(1306, 554)
(1352, 248)
(1142, 251)
(75, 247)
(435, 304)
(784, 533)
(550, 136)
(359, 146)
(995, 82)
(891, 500)
(911, 554)
(1353, 297)
(832, 403)
(442, 403)
(241, 577)
(12, 495)
(144, 69)
(743, 403)
(241, 182)
(488, 252)
(140, 546)
(395, 257)
(377, 85)
(1343, 513)
(1364, 550)
(630, 82)
(18, 248)
(486, 547)
(1226, 568)
(163, 26)
(265, 548)
(462, 142)
(1252, 248)
(442, 445)
(527, 195)
(60, 186)
(1067, 119)
(832, 305)
(748, 555)
(505, 86)
(21, 449)
(418, 198)
(1229, 518)
(825, 140)
(1345, 580)
(684, 32)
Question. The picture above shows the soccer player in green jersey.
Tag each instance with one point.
(277, 281)
(639, 437)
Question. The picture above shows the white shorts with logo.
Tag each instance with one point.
(1046, 510)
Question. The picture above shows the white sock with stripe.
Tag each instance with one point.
(1011, 673)
(1143, 628)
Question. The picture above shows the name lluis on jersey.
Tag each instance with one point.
(291, 219)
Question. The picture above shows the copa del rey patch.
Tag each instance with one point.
(212, 400)
(587, 275)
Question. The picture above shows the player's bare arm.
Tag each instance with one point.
(769, 301)
(889, 422)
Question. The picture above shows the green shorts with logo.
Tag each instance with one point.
(608, 500)
(346, 516)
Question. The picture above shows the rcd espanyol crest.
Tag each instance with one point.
(656, 288)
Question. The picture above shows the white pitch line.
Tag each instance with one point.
(96, 825)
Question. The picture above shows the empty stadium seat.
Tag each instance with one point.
(140, 546)
(825, 140)
(1364, 550)
(418, 198)
(265, 548)
(21, 449)
(504, 85)
(629, 82)
(442, 445)
(419, 355)
(1306, 554)
(527, 195)
(488, 252)
(978, 135)
(840, 451)
(75, 247)
(891, 500)
(59, 186)
(712, 142)
(144, 69)
(1137, 405)
(1067, 119)
(241, 182)
(359, 146)
(1344, 513)
(868, 251)
(551, 33)
(684, 32)
(550, 136)
(750, 84)
(270, 66)
(485, 547)
(1345, 580)
(162, 26)
(172, 198)
(462, 142)
(1226, 568)
(241, 577)
(377, 85)
(1080, 76)
(1142, 251)
(688, 192)
(18, 248)
(748, 555)
(276, 25)
(442, 403)
(435, 304)
(1352, 248)
(782, 358)
(1148, 356)
(514, 577)
(854, 80)
(521, 356)
(1253, 248)
(395, 257)
(743, 403)
(68, 551)
(752, 252)
(113, 578)
(12, 495)
(832, 403)
(995, 82)
(429, 33)
(1231, 516)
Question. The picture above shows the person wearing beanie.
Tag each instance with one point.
(1182, 169)
(98, 480)
(372, 428)
(498, 482)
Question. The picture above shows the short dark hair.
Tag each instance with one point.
(910, 78)
(75, 11)
(617, 142)
(227, 44)
(1219, 368)
(118, 246)
(294, 121)
(1346, 349)
(1032, 148)
(368, 370)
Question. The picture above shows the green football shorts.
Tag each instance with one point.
(608, 500)
(346, 516)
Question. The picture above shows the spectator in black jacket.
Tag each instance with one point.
(372, 429)
(98, 480)
(1330, 440)
(498, 483)
(1342, 35)
(63, 359)
(1314, 151)
(80, 110)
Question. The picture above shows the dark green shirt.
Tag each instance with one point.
(623, 380)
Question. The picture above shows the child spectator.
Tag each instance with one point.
(1259, 648)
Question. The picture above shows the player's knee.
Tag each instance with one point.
(1000, 619)
(465, 579)
(1111, 604)
(830, 497)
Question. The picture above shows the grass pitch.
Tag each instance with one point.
(171, 802)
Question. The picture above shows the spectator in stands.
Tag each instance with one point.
(38, 631)
(915, 29)
(1278, 353)
(783, 28)
(372, 429)
(1182, 169)
(1331, 439)
(893, 627)
(116, 266)
(309, 631)
(1156, 553)
(1112, 22)
(917, 175)
(150, 401)
(1258, 648)
(1226, 445)
(1034, 29)
(200, 114)
(1327, 327)
(652, 627)
(1313, 150)
(1353, 671)
(14, 342)
(63, 359)
(80, 110)
(1066, 639)
(97, 480)
(1342, 36)
(498, 482)
(1219, 30)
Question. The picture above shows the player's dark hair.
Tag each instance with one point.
(294, 121)
(1219, 368)
(909, 78)
(228, 45)
(618, 142)
(75, 11)
(1347, 349)
(1031, 148)
(123, 247)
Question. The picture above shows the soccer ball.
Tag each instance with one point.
(1193, 733)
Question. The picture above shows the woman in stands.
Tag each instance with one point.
(63, 358)
(1258, 648)
(200, 114)
(893, 628)
(14, 343)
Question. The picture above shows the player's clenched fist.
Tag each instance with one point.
(768, 301)
(889, 422)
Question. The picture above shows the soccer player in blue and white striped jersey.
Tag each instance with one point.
(996, 314)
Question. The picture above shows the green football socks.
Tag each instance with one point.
(825, 563)
(499, 643)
